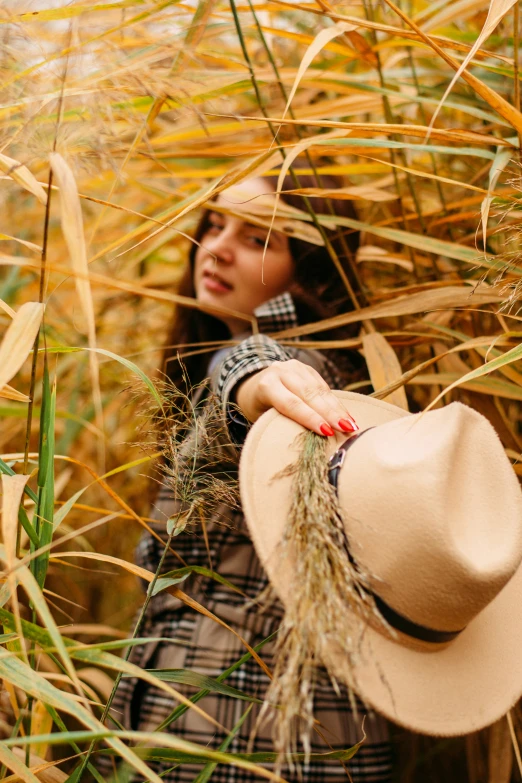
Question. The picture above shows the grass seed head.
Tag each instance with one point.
(326, 584)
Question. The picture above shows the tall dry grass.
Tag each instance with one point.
(117, 121)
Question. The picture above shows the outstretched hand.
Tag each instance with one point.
(297, 391)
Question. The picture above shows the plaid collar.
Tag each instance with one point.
(272, 316)
(277, 314)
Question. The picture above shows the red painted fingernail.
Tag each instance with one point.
(346, 425)
(352, 422)
(326, 430)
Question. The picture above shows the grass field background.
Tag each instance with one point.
(118, 120)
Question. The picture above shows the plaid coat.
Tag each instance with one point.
(200, 644)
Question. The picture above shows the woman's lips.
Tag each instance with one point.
(215, 284)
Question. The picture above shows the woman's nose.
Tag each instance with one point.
(222, 246)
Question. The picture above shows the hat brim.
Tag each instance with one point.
(451, 690)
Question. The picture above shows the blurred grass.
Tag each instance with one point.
(150, 107)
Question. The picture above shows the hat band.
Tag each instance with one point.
(393, 618)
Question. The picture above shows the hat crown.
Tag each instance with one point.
(442, 551)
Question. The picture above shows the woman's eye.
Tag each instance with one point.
(256, 240)
(214, 227)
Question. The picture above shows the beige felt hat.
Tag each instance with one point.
(433, 511)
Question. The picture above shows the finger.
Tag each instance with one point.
(316, 393)
(292, 406)
(307, 372)
(340, 417)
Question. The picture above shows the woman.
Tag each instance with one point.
(295, 282)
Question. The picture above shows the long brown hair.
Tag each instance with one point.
(318, 290)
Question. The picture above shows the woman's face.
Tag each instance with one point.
(229, 268)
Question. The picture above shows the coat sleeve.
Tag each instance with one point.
(251, 355)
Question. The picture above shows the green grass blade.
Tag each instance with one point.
(188, 677)
(118, 644)
(32, 683)
(89, 655)
(8, 637)
(176, 754)
(412, 148)
(206, 773)
(45, 505)
(426, 244)
(122, 360)
(31, 587)
(180, 574)
(63, 729)
(174, 749)
(181, 709)
(64, 510)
